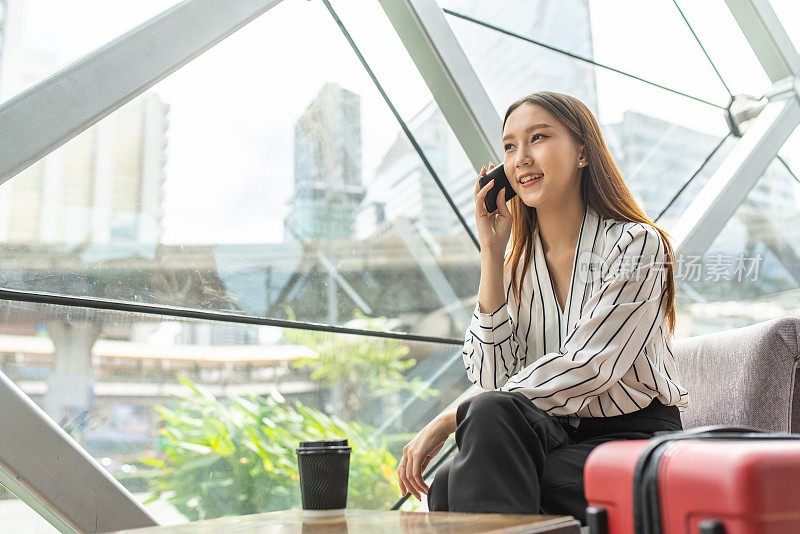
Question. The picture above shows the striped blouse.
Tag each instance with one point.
(608, 353)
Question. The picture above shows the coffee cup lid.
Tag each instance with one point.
(324, 443)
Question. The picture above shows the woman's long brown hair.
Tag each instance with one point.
(602, 187)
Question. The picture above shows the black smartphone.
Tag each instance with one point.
(498, 174)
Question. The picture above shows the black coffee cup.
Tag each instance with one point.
(324, 473)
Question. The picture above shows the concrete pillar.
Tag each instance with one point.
(70, 392)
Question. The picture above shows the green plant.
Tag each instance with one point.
(363, 369)
(238, 457)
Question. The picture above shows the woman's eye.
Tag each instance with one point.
(532, 139)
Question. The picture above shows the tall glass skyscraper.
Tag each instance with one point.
(327, 167)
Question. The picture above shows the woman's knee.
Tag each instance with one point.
(491, 406)
(488, 405)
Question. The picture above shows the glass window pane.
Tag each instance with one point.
(751, 272)
(788, 13)
(658, 138)
(16, 516)
(40, 37)
(112, 380)
(399, 77)
(790, 152)
(727, 46)
(665, 51)
(292, 201)
(692, 183)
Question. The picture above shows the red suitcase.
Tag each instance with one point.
(709, 480)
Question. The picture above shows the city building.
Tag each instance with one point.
(327, 167)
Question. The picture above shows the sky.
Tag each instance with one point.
(232, 109)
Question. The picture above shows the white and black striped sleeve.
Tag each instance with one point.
(619, 319)
(491, 347)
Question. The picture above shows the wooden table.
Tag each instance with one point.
(376, 521)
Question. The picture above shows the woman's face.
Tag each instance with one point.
(535, 142)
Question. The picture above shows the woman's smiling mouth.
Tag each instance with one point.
(528, 181)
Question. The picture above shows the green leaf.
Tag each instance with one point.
(153, 462)
(194, 447)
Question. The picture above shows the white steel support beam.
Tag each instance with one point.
(45, 468)
(430, 41)
(767, 37)
(52, 112)
(719, 199)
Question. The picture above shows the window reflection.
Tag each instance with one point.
(275, 200)
(751, 272)
(16, 516)
(133, 388)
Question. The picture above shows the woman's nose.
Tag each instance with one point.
(523, 156)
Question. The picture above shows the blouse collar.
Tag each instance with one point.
(580, 281)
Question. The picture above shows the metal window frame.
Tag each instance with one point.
(43, 466)
(430, 41)
(721, 196)
(767, 37)
(63, 105)
(49, 471)
(447, 72)
(718, 200)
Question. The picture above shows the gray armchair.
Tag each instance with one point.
(748, 376)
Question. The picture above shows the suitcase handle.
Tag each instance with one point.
(646, 513)
(703, 431)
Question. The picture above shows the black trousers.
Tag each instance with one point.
(515, 458)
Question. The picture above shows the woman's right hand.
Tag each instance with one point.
(418, 453)
(494, 229)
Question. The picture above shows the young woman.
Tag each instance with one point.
(572, 331)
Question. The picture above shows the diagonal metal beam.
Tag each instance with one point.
(449, 75)
(342, 282)
(52, 474)
(720, 197)
(767, 37)
(52, 112)
(39, 462)
(425, 258)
